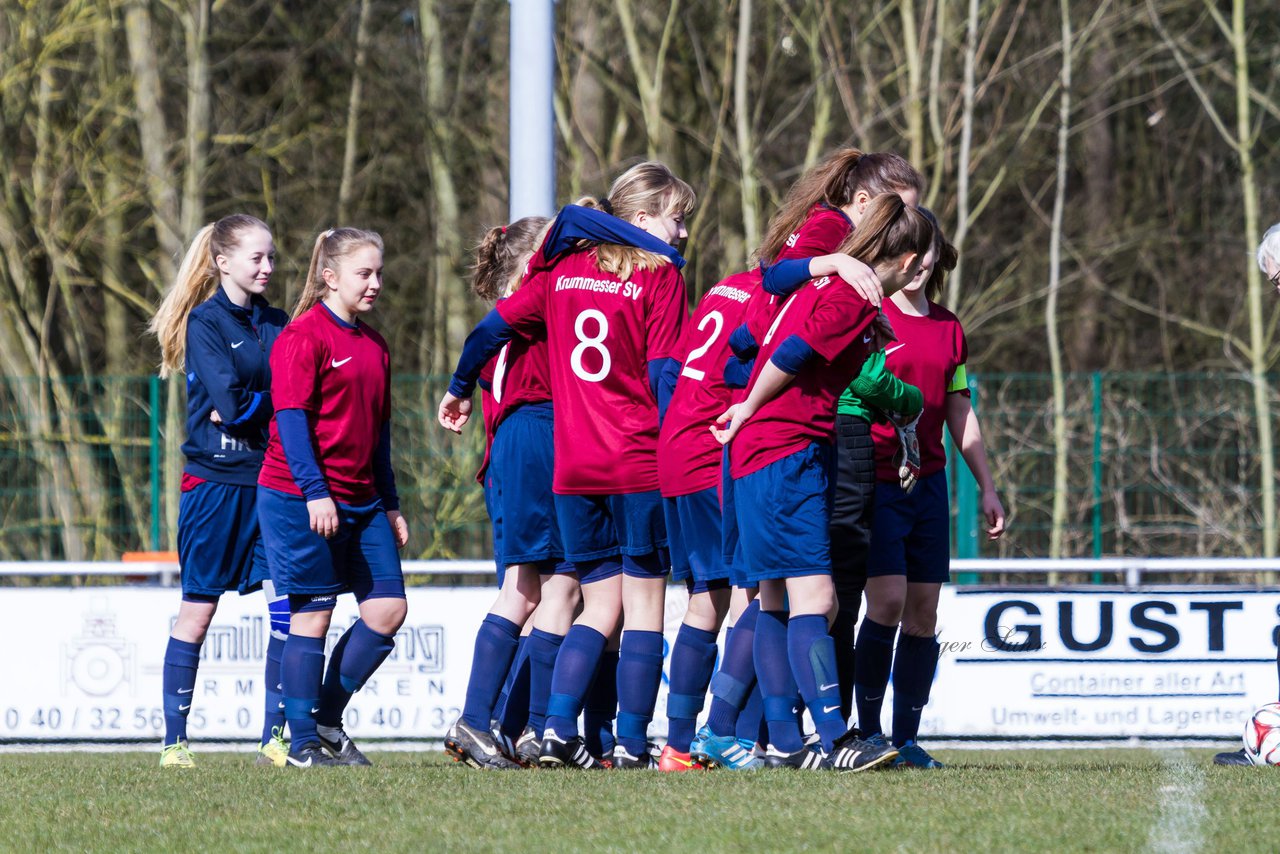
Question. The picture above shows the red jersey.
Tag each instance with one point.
(601, 334)
(930, 354)
(822, 232)
(341, 377)
(832, 319)
(517, 375)
(689, 457)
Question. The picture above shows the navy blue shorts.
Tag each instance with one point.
(219, 548)
(731, 545)
(495, 522)
(521, 504)
(361, 558)
(783, 513)
(911, 534)
(630, 526)
(693, 530)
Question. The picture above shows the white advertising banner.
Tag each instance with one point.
(86, 663)
(1186, 663)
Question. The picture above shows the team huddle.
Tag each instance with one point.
(779, 450)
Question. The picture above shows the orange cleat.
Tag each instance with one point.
(673, 760)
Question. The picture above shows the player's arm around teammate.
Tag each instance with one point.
(215, 325)
(909, 556)
(327, 498)
(780, 457)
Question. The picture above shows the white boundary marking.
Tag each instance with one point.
(1182, 811)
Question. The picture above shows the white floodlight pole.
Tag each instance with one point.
(533, 141)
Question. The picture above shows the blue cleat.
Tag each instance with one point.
(723, 751)
(912, 755)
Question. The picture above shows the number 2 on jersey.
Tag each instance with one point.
(586, 343)
(698, 374)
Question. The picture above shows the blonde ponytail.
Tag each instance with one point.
(197, 280)
(330, 246)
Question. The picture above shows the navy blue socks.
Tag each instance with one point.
(355, 658)
(301, 669)
(601, 706)
(736, 678)
(513, 705)
(575, 668)
(495, 649)
(777, 685)
(913, 667)
(873, 659)
(813, 662)
(639, 677)
(543, 649)
(273, 707)
(181, 659)
(693, 657)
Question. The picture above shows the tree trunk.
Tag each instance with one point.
(1060, 446)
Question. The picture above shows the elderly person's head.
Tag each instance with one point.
(1269, 255)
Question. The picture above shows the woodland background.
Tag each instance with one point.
(1106, 168)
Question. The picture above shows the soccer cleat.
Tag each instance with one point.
(528, 746)
(476, 748)
(275, 752)
(673, 760)
(500, 738)
(177, 755)
(803, 759)
(624, 761)
(343, 749)
(309, 755)
(558, 753)
(912, 755)
(851, 753)
(724, 751)
(1232, 757)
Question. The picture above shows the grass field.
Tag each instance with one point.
(1041, 800)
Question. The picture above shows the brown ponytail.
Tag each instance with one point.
(501, 255)
(331, 246)
(889, 230)
(836, 181)
(197, 280)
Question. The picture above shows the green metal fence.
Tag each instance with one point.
(1159, 465)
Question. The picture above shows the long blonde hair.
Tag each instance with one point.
(836, 181)
(501, 256)
(650, 187)
(331, 246)
(198, 279)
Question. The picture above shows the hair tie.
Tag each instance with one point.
(504, 229)
(327, 234)
(606, 206)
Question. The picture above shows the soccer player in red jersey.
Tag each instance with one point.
(781, 458)
(215, 325)
(910, 552)
(326, 496)
(613, 316)
(816, 217)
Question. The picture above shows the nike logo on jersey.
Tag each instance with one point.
(826, 710)
(184, 708)
(894, 347)
(185, 690)
(338, 364)
(828, 686)
(314, 710)
(237, 344)
(866, 339)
